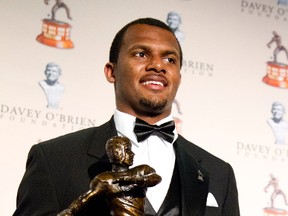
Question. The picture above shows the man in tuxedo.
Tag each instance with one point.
(144, 67)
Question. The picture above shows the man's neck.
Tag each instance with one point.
(149, 118)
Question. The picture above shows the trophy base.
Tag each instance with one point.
(55, 34)
(275, 83)
(275, 212)
(277, 75)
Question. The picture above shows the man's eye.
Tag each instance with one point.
(140, 54)
(171, 60)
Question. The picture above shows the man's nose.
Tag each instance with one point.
(156, 64)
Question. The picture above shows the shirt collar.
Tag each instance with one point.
(125, 125)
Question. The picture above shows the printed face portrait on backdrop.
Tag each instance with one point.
(51, 86)
(278, 124)
(174, 21)
(282, 2)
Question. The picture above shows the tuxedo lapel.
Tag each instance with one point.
(194, 180)
(97, 148)
(102, 134)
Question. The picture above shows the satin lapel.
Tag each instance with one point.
(194, 179)
(103, 133)
(97, 148)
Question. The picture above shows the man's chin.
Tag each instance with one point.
(156, 106)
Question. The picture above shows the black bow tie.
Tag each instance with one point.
(143, 130)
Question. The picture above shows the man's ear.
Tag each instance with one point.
(109, 72)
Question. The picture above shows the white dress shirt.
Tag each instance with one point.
(154, 151)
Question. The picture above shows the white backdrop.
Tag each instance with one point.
(223, 101)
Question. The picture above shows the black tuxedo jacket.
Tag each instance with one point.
(59, 170)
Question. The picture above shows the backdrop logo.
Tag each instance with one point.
(273, 187)
(44, 118)
(276, 11)
(277, 150)
(199, 68)
(56, 33)
(277, 70)
(273, 153)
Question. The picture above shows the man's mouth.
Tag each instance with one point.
(153, 83)
(153, 80)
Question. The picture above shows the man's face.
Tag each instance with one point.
(173, 21)
(52, 73)
(147, 73)
(277, 112)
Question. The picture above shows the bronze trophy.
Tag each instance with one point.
(124, 188)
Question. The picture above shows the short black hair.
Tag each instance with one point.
(118, 39)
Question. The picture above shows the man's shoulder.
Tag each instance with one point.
(78, 138)
(72, 137)
(199, 153)
(217, 167)
(68, 144)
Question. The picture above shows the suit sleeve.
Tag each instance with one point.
(36, 194)
(231, 204)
